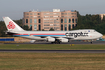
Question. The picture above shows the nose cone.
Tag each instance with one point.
(100, 35)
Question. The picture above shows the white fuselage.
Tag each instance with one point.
(85, 34)
(51, 36)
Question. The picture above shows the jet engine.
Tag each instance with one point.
(63, 39)
(32, 41)
(50, 39)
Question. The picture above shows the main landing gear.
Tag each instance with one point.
(56, 42)
(91, 42)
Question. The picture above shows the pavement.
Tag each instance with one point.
(73, 42)
(56, 51)
(59, 51)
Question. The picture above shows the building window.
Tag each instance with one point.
(65, 13)
(76, 20)
(39, 20)
(61, 20)
(72, 20)
(26, 20)
(35, 27)
(38, 16)
(27, 13)
(35, 20)
(73, 13)
(46, 27)
(27, 16)
(38, 13)
(30, 13)
(61, 27)
(76, 25)
(69, 27)
(30, 16)
(30, 27)
(55, 28)
(34, 13)
(69, 20)
(56, 24)
(65, 27)
(55, 21)
(30, 20)
(62, 13)
(72, 25)
(51, 16)
(46, 22)
(39, 27)
(65, 20)
(68, 13)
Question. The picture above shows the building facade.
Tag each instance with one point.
(45, 20)
(102, 16)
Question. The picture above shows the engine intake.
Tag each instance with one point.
(63, 39)
(51, 39)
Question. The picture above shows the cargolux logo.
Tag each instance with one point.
(10, 25)
(76, 34)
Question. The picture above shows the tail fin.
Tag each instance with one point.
(11, 25)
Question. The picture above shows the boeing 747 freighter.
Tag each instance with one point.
(51, 36)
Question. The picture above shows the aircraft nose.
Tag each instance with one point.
(101, 35)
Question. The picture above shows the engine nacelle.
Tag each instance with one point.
(63, 39)
(32, 41)
(50, 39)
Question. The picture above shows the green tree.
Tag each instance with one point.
(43, 30)
(19, 22)
(25, 27)
(2, 29)
(51, 29)
(101, 28)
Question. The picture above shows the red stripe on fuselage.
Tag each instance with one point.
(48, 34)
(20, 34)
(43, 34)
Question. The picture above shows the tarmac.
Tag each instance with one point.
(72, 42)
(56, 51)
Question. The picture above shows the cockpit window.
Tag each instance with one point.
(89, 31)
(92, 31)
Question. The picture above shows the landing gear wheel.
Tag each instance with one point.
(52, 42)
(56, 42)
(91, 42)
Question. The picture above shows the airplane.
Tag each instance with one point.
(51, 36)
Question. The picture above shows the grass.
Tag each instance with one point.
(51, 61)
(52, 47)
